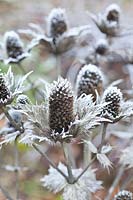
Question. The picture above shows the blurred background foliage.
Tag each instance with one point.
(14, 15)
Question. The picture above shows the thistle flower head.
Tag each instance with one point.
(13, 44)
(57, 22)
(124, 195)
(5, 95)
(60, 106)
(113, 96)
(89, 79)
(22, 99)
(102, 46)
(113, 13)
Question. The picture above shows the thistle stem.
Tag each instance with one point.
(16, 126)
(85, 169)
(16, 168)
(58, 65)
(103, 133)
(67, 152)
(6, 194)
(44, 155)
(87, 153)
(115, 182)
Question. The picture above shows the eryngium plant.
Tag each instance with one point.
(63, 116)
(108, 21)
(9, 87)
(58, 38)
(14, 48)
(89, 80)
(124, 195)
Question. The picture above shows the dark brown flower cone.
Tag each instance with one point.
(57, 22)
(61, 106)
(113, 96)
(5, 95)
(13, 45)
(89, 80)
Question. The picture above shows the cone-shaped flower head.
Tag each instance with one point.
(124, 195)
(57, 22)
(102, 47)
(13, 44)
(113, 96)
(60, 106)
(23, 99)
(89, 80)
(5, 95)
(113, 13)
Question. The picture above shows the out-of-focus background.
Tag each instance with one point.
(16, 14)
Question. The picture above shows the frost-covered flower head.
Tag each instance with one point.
(114, 97)
(102, 47)
(9, 87)
(63, 116)
(89, 80)
(112, 13)
(57, 22)
(14, 47)
(79, 190)
(124, 195)
(108, 21)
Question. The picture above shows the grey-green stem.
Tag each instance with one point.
(67, 156)
(44, 155)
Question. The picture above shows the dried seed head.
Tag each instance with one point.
(13, 44)
(113, 96)
(113, 13)
(102, 47)
(61, 106)
(124, 195)
(89, 79)
(5, 95)
(57, 22)
(23, 99)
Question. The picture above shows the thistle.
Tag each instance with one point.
(5, 95)
(61, 106)
(57, 22)
(124, 195)
(113, 96)
(13, 44)
(89, 80)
